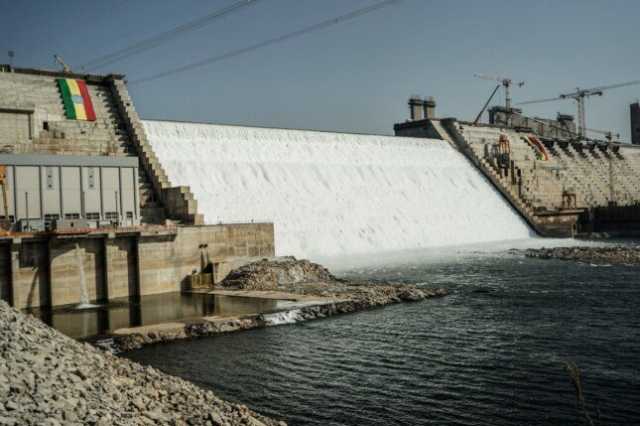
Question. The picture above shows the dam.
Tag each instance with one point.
(143, 207)
(332, 194)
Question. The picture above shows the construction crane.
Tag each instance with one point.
(58, 59)
(506, 83)
(579, 96)
(486, 105)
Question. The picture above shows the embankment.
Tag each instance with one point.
(47, 378)
(315, 293)
(618, 255)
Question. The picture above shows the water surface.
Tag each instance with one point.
(149, 310)
(490, 353)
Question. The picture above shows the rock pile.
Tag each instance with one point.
(332, 296)
(617, 255)
(47, 378)
(275, 274)
(291, 275)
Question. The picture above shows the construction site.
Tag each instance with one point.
(88, 212)
(563, 180)
(98, 204)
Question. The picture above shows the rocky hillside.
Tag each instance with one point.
(47, 378)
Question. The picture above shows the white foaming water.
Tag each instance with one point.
(84, 295)
(333, 194)
(281, 318)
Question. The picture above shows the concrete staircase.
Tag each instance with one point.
(537, 194)
(158, 198)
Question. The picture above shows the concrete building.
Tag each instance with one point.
(61, 191)
(635, 123)
(84, 190)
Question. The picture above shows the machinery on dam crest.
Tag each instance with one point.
(563, 184)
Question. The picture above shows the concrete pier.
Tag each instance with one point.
(42, 270)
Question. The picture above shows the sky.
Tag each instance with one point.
(355, 76)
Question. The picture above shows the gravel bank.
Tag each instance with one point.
(283, 276)
(47, 378)
(618, 255)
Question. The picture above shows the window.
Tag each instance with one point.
(129, 215)
(93, 216)
(51, 217)
(111, 215)
(71, 216)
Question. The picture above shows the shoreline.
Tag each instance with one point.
(47, 377)
(311, 290)
(305, 308)
(618, 255)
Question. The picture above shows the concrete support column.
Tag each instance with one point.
(14, 252)
(30, 273)
(121, 266)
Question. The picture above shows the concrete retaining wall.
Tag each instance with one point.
(40, 271)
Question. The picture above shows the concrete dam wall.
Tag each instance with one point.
(331, 194)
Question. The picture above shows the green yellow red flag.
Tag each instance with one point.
(76, 99)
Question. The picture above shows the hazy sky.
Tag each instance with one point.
(356, 76)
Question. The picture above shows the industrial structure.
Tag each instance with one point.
(562, 182)
(83, 191)
(580, 96)
(635, 123)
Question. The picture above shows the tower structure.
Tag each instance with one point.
(635, 123)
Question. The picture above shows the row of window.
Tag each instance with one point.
(72, 216)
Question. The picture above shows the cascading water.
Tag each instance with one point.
(85, 303)
(332, 194)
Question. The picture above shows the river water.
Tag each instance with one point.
(492, 352)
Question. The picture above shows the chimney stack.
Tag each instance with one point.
(416, 108)
(429, 105)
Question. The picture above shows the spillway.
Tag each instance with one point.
(332, 194)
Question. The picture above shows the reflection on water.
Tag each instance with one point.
(149, 310)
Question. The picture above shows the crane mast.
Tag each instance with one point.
(506, 84)
(580, 96)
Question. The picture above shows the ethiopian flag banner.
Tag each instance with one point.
(75, 96)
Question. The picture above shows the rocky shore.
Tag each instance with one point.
(47, 378)
(617, 255)
(318, 293)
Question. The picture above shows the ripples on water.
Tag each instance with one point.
(490, 353)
